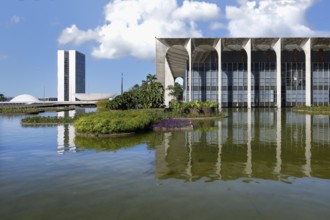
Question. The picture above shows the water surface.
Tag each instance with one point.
(259, 164)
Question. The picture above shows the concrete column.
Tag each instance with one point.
(219, 50)
(278, 50)
(308, 71)
(161, 50)
(169, 80)
(188, 47)
(247, 48)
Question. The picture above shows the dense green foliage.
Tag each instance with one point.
(112, 122)
(47, 120)
(2, 98)
(149, 95)
(101, 105)
(195, 107)
(176, 91)
(20, 110)
(51, 119)
(31, 109)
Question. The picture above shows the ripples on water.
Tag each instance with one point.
(252, 165)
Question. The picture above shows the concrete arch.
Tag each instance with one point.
(177, 57)
(203, 53)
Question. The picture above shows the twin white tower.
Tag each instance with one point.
(70, 74)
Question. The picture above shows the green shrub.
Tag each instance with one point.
(47, 120)
(149, 95)
(101, 105)
(116, 121)
(197, 106)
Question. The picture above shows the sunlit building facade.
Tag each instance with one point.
(247, 72)
(70, 74)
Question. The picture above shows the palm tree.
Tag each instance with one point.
(2, 98)
(176, 91)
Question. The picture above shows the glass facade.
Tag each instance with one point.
(234, 81)
(204, 79)
(293, 84)
(234, 84)
(321, 83)
(264, 84)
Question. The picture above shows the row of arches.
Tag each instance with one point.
(205, 82)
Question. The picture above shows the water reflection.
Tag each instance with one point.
(266, 144)
(66, 133)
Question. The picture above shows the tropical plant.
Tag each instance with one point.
(176, 91)
(2, 98)
(149, 95)
(101, 104)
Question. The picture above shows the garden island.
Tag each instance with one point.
(139, 109)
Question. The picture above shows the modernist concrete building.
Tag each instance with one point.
(247, 72)
(70, 74)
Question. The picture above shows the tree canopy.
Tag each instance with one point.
(2, 98)
(149, 95)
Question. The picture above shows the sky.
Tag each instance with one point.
(118, 36)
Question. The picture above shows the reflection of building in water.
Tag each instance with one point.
(264, 144)
(66, 133)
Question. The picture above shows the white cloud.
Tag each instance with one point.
(267, 18)
(217, 26)
(74, 35)
(131, 26)
(15, 19)
(194, 11)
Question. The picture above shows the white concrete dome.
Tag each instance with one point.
(25, 98)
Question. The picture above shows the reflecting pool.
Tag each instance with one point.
(259, 164)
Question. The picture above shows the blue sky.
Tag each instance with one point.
(117, 36)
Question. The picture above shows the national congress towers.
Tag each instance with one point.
(247, 72)
(70, 74)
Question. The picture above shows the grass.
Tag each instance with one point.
(31, 109)
(313, 109)
(175, 114)
(47, 120)
(114, 122)
(50, 120)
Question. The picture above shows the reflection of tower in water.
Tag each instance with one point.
(66, 133)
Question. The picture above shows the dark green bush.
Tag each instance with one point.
(47, 120)
(101, 105)
(149, 95)
(111, 122)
